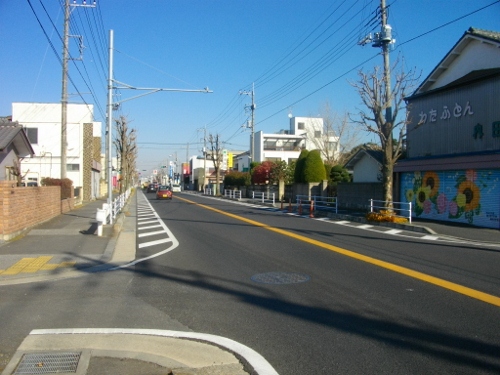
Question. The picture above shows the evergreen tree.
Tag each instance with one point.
(300, 166)
(314, 169)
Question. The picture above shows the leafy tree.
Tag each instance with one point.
(314, 169)
(237, 179)
(300, 167)
(261, 174)
(339, 174)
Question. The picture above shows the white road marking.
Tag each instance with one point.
(153, 243)
(150, 233)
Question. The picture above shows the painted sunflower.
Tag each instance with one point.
(410, 195)
(471, 193)
(422, 195)
(431, 180)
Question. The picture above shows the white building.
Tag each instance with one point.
(42, 122)
(304, 133)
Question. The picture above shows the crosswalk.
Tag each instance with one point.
(154, 238)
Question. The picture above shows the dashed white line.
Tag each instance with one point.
(150, 233)
(429, 237)
(153, 243)
(393, 231)
(148, 222)
(150, 227)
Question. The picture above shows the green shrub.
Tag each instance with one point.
(237, 179)
(314, 169)
(298, 175)
(66, 185)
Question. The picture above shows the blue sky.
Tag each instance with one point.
(299, 54)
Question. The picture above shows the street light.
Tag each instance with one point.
(115, 105)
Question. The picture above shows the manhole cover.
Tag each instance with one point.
(280, 278)
(48, 363)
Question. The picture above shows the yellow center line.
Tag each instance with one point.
(485, 297)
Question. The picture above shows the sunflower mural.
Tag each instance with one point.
(467, 200)
(424, 193)
(451, 195)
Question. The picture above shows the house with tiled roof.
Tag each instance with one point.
(14, 145)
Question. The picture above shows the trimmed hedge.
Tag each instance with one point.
(66, 185)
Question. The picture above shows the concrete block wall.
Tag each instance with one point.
(22, 208)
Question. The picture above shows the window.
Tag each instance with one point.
(317, 134)
(301, 126)
(73, 167)
(32, 134)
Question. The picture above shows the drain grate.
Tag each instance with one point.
(280, 278)
(48, 363)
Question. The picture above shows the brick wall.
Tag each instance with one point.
(22, 208)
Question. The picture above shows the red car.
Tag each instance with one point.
(163, 192)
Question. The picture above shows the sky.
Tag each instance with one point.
(297, 55)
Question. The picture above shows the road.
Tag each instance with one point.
(311, 296)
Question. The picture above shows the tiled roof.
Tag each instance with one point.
(12, 132)
(487, 34)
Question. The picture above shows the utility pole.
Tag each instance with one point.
(252, 124)
(385, 40)
(64, 94)
(204, 158)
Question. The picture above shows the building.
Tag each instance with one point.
(42, 123)
(452, 169)
(304, 133)
(14, 146)
(365, 166)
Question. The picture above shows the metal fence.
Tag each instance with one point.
(232, 194)
(269, 198)
(318, 203)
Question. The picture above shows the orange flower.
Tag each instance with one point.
(471, 193)
(431, 180)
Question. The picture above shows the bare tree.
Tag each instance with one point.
(382, 116)
(337, 137)
(15, 170)
(216, 156)
(126, 148)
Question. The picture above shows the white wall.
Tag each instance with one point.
(366, 170)
(47, 118)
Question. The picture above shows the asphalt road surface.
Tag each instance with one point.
(311, 296)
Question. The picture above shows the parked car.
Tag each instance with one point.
(163, 192)
(176, 188)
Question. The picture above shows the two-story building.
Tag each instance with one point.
(42, 123)
(452, 169)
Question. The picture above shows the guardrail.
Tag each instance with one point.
(401, 208)
(317, 203)
(232, 194)
(269, 198)
(108, 215)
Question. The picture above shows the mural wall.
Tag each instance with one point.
(470, 197)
